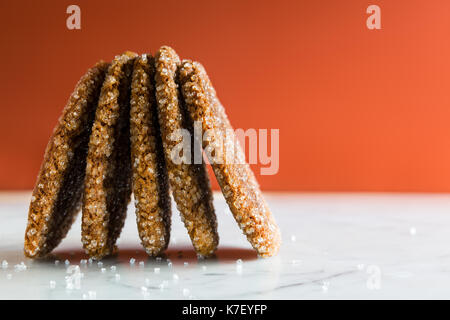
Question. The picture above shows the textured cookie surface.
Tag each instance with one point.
(56, 197)
(189, 182)
(150, 181)
(236, 179)
(108, 170)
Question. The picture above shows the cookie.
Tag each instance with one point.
(57, 195)
(235, 177)
(107, 188)
(150, 181)
(189, 182)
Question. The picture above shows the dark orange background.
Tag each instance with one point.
(357, 109)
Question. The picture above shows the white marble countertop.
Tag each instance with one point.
(335, 246)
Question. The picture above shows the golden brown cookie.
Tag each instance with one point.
(150, 182)
(56, 197)
(108, 170)
(236, 179)
(189, 182)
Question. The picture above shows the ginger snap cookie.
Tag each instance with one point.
(56, 197)
(150, 181)
(189, 182)
(107, 188)
(235, 177)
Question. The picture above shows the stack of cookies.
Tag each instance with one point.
(115, 138)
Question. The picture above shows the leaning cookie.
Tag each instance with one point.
(56, 197)
(108, 170)
(236, 179)
(189, 181)
(150, 182)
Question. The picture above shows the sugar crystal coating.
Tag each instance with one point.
(108, 169)
(56, 197)
(236, 179)
(150, 181)
(189, 182)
